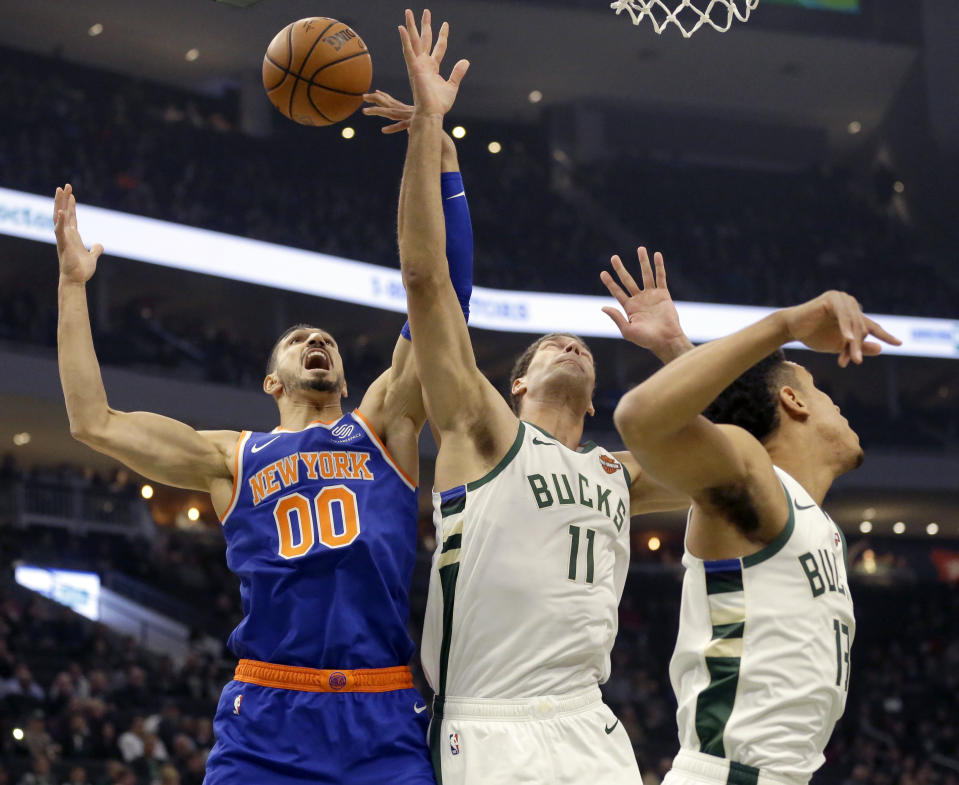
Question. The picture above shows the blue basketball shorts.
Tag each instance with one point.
(278, 735)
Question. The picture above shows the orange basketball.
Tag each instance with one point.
(316, 70)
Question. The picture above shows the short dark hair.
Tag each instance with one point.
(271, 363)
(752, 401)
(522, 363)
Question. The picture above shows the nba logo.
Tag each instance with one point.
(836, 540)
(455, 743)
(236, 704)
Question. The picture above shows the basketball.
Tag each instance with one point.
(316, 70)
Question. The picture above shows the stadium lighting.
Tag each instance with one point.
(932, 529)
(193, 514)
(95, 30)
(348, 133)
(654, 543)
(20, 439)
(869, 513)
(854, 127)
(459, 132)
(869, 561)
(192, 54)
(147, 491)
(899, 186)
(494, 147)
(898, 527)
(18, 734)
(865, 527)
(535, 97)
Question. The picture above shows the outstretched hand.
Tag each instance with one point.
(648, 317)
(834, 322)
(77, 264)
(385, 105)
(432, 94)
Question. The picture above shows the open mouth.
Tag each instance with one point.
(316, 360)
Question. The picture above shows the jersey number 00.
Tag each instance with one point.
(299, 523)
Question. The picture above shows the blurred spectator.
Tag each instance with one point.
(39, 774)
(77, 776)
(20, 691)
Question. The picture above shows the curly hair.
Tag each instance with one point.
(752, 401)
(522, 363)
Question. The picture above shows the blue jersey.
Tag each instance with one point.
(322, 532)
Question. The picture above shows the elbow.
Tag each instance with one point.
(90, 432)
(634, 418)
(418, 277)
(82, 432)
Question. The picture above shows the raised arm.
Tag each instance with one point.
(459, 399)
(649, 320)
(157, 447)
(394, 402)
(661, 421)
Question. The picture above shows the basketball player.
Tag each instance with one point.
(532, 529)
(761, 664)
(320, 520)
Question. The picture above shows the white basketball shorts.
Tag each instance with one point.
(556, 740)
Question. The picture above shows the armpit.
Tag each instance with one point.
(734, 503)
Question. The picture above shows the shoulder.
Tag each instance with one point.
(226, 444)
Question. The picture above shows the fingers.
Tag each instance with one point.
(880, 333)
(389, 112)
(458, 72)
(402, 125)
(408, 53)
(413, 33)
(628, 281)
(426, 31)
(617, 317)
(647, 272)
(442, 41)
(382, 98)
(614, 289)
(660, 270)
(96, 250)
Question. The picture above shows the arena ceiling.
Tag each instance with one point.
(808, 69)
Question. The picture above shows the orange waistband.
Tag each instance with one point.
(292, 677)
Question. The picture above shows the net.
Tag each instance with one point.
(686, 14)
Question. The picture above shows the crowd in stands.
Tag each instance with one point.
(80, 704)
(739, 236)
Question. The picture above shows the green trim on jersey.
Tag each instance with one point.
(715, 703)
(451, 542)
(781, 539)
(510, 454)
(453, 506)
(543, 431)
(741, 774)
(448, 575)
(733, 630)
(724, 581)
(435, 739)
(588, 447)
(629, 480)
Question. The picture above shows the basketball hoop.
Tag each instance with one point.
(661, 14)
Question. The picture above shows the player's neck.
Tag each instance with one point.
(295, 415)
(560, 421)
(806, 464)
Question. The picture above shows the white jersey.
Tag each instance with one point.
(761, 665)
(528, 572)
